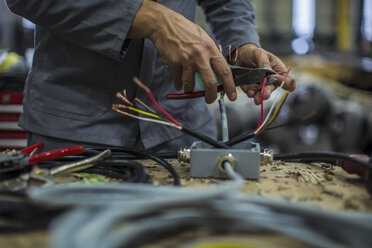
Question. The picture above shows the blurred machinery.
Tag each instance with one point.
(340, 121)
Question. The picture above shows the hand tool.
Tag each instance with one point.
(241, 75)
(46, 175)
(11, 161)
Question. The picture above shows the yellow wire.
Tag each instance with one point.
(145, 113)
(277, 110)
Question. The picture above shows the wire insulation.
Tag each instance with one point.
(262, 106)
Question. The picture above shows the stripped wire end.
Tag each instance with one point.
(149, 93)
(123, 98)
(229, 53)
(142, 85)
(144, 105)
(117, 108)
(220, 47)
(236, 55)
(265, 124)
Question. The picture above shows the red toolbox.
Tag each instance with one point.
(11, 135)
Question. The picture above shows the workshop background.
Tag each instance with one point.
(327, 43)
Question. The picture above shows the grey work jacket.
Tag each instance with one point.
(82, 58)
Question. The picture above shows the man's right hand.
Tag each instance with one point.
(185, 47)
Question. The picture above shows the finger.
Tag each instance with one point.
(282, 73)
(251, 93)
(268, 90)
(250, 90)
(177, 74)
(257, 98)
(289, 81)
(266, 94)
(223, 70)
(263, 59)
(210, 85)
(188, 78)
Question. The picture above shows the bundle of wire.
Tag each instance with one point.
(19, 214)
(126, 170)
(264, 124)
(117, 165)
(152, 116)
(129, 215)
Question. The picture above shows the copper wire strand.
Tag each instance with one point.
(149, 93)
(140, 84)
(123, 98)
(145, 119)
(118, 106)
(229, 53)
(236, 55)
(145, 105)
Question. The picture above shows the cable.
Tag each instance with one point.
(149, 93)
(144, 105)
(146, 113)
(126, 170)
(185, 130)
(262, 100)
(124, 215)
(321, 157)
(19, 214)
(173, 123)
(142, 154)
(347, 162)
(280, 105)
(119, 153)
(224, 124)
(262, 126)
(204, 138)
(248, 135)
(114, 107)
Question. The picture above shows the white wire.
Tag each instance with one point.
(271, 109)
(155, 121)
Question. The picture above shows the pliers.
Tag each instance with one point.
(46, 175)
(241, 76)
(13, 161)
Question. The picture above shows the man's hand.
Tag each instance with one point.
(251, 56)
(185, 47)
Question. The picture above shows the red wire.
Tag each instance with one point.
(162, 110)
(262, 106)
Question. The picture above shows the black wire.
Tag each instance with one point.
(204, 138)
(117, 153)
(321, 157)
(126, 170)
(247, 135)
(18, 213)
(240, 138)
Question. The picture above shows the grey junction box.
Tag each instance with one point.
(205, 160)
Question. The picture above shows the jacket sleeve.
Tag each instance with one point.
(97, 25)
(231, 21)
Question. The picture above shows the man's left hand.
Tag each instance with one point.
(250, 55)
